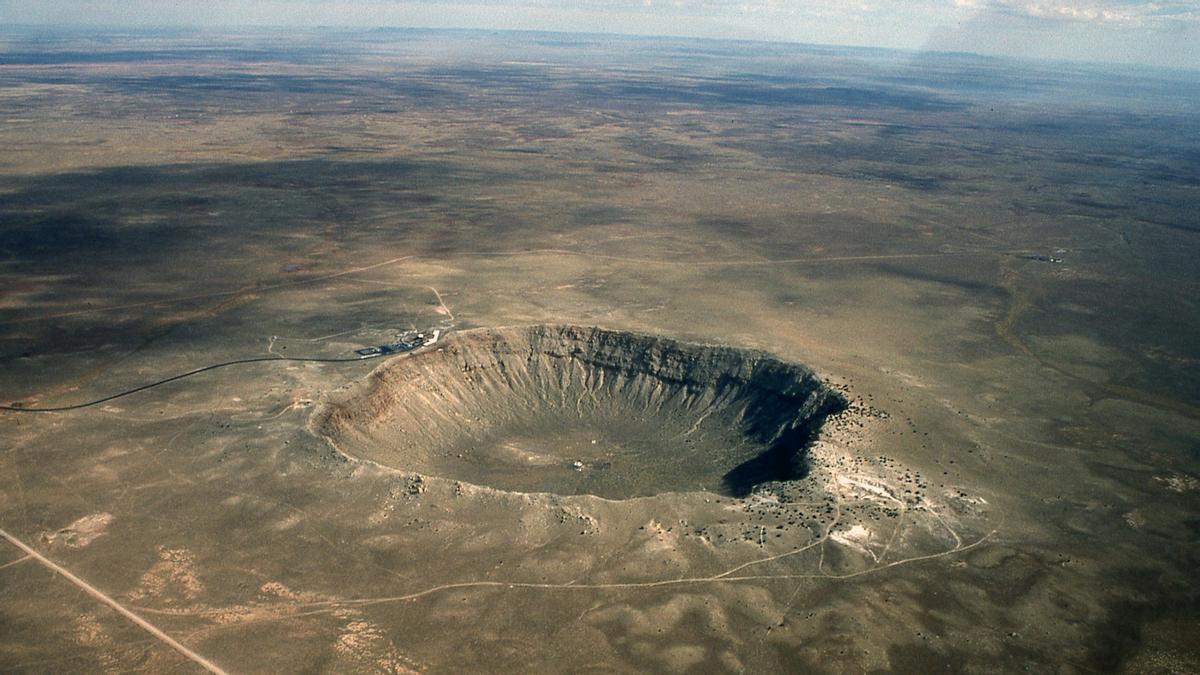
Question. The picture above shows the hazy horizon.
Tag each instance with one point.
(1095, 31)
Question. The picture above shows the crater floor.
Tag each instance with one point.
(580, 410)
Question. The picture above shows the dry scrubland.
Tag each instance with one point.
(848, 414)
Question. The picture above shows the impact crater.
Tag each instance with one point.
(575, 410)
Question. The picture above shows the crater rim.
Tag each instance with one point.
(512, 409)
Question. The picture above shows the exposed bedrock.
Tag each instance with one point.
(579, 410)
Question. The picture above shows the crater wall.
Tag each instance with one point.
(582, 410)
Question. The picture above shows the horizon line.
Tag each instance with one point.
(263, 27)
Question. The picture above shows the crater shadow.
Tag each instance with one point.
(786, 459)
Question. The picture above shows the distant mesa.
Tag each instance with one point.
(576, 410)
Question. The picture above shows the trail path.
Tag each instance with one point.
(118, 607)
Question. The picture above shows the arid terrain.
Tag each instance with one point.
(752, 357)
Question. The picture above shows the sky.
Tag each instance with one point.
(1158, 32)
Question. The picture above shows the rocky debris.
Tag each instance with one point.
(80, 533)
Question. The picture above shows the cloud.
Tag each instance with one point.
(1133, 12)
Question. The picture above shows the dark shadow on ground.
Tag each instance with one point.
(785, 459)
